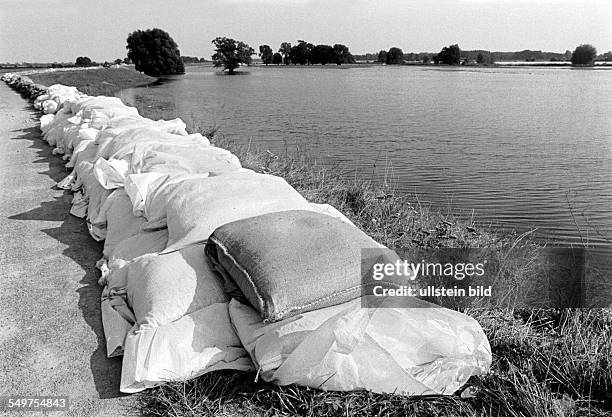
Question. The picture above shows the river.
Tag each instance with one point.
(519, 148)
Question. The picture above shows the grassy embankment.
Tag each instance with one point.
(545, 362)
(95, 81)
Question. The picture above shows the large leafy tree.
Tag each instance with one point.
(154, 52)
(322, 54)
(230, 53)
(342, 55)
(394, 56)
(83, 61)
(277, 59)
(266, 54)
(449, 55)
(584, 55)
(302, 53)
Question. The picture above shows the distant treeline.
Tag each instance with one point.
(525, 55)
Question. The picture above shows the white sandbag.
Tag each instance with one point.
(196, 207)
(45, 122)
(123, 144)
(62, 93)
(133, 247)
(182, 159)
(163, 288)
(49, 106)
(198, 343)
(85, 151)
(92, 189)
(103, 106)
(57, 128)
(411, 351)
(116, 215)
(74, 134)
(39, 100)
(100, 118)
(140, 187)
(111, 173)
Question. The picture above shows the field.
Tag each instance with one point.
(553, 362)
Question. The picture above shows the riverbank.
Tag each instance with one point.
(546, 363)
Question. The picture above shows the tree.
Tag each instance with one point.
(342, 55)
(277, 59)
(584, 55)
(302, 53)
(127, 61)
(425, 58)
(83, 61)
(285, 50)
(449, 55)
(266, 54)
(230, 53)
(154, 52)
(118, 61)
(394, 56)
(382, 57)
(480, 59)
(322, 54)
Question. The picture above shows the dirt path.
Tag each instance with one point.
(51, 338)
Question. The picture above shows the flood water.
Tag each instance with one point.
(521, 148)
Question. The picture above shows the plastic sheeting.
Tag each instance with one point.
(412, 351)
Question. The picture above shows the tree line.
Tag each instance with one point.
(155, 53)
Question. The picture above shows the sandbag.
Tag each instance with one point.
(111, 173)
(101, 105)
(196, 207)
(411, 351)
(92, 189)
(85, 151)
(116, 216)
(123, 144)
(179, 158)
(135, 246)
(291, 262)
(141, 188)
(163, 288)
(197, 343)
(49, 106)
(45, 122)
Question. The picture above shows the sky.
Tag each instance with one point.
(61, 30)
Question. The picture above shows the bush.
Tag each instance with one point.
(154, 52)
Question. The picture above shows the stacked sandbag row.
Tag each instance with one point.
(207, 265)
(23, 84)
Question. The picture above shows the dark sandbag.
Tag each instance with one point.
(290, 262)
